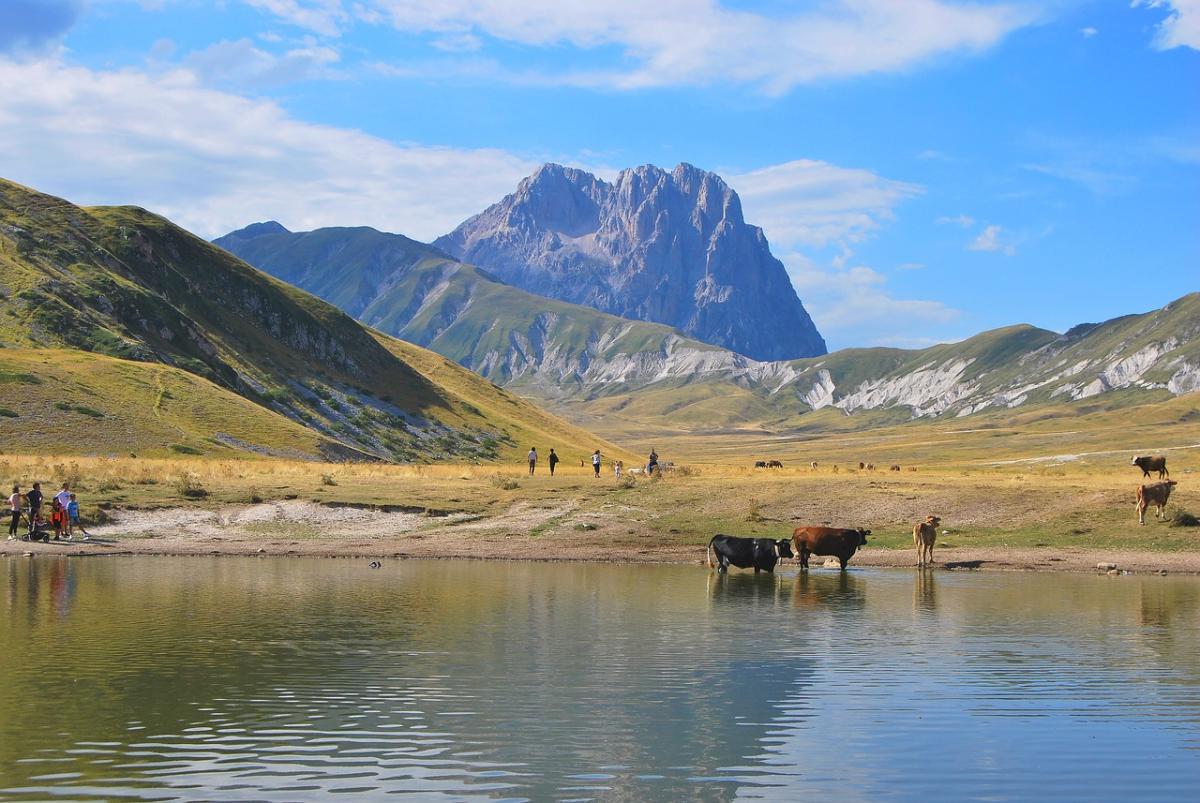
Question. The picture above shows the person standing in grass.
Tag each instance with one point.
(63, 497)
(553, 460)
(14, 509)
(618, 465)
(532, 457)
(596, 462)
(34, 498)
(73, 520)
(58, 519)
(653, 462)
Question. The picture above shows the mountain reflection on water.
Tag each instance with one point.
(295, 679)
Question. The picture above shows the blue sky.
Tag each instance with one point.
(926, 169)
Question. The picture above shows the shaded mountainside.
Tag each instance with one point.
(593, 364)
(128, 284)
(668, 247)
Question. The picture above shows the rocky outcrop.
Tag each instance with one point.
(668, 247)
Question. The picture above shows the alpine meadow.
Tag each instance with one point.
(519, 400)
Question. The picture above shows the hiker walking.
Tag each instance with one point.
(596, 462)
(532, 457)
(553, 460)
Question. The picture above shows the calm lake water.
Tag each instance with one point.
(295, 679)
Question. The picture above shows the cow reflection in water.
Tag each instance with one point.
(924, 592)
(746, 587)
(838, 591)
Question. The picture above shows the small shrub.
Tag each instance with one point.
(1181, 518)
(88, 411)
(7, 413)
(62, 405)
(278, 395)
(183, 448)
(627, 481)
(255, 496)
(327, 479)
(108, 484)
(189, 487)
(505, 483)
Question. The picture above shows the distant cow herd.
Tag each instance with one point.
(764, 554)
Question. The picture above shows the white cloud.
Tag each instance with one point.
(241, 63)
(1088, 32)
(1180, 28)
(694, 42)
(853, 307)
(992, 239)
(213, 161)
(813, 203)
(962, 221)
(320, 16)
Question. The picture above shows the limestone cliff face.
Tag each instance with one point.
(669, 247)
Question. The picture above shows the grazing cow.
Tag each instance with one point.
(861, 465)
(894, 468)
(774, 464)
(761, 554)
(835, 469)
(870, 466)
(837, 541)
(1148, 464)
(813, 465)
(1157, 495)
(924, 534)
(760, 463)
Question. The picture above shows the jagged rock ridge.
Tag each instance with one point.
(669, 247)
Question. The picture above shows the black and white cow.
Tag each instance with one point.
(760, 554)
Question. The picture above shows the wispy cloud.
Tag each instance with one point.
(854, 306)
(1181, 26)
(214, 161)
(1088, 32)
(812, 203)
(242, 64)
(690, 42)
(993, 239)
(960, 220)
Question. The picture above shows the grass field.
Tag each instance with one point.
(995, 490)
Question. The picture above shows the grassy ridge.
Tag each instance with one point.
(124, 283)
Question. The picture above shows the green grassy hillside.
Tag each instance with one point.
(124, 283)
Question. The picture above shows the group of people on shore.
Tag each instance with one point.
(62, 522)
(618, 466)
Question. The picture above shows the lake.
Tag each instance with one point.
(154, 678)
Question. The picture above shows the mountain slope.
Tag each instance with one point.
(669, 247)
(128, 284)
(596, 365)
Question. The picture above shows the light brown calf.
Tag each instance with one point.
(924, 534)
(1157, 495)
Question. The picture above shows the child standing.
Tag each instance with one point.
(73, 520)
(618, 465)
(58, 519)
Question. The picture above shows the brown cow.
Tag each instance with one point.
(1148, 464)
(870, 466)
(894, 468)
(839, 542)
(1157, 495)
(924, 534)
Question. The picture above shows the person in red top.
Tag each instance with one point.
(58, 520)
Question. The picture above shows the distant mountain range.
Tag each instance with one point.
(593, 364)
(117, 328)
(666, 247)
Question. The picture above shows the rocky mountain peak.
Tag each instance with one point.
(669, 247)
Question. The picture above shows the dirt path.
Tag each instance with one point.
(522, 532)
